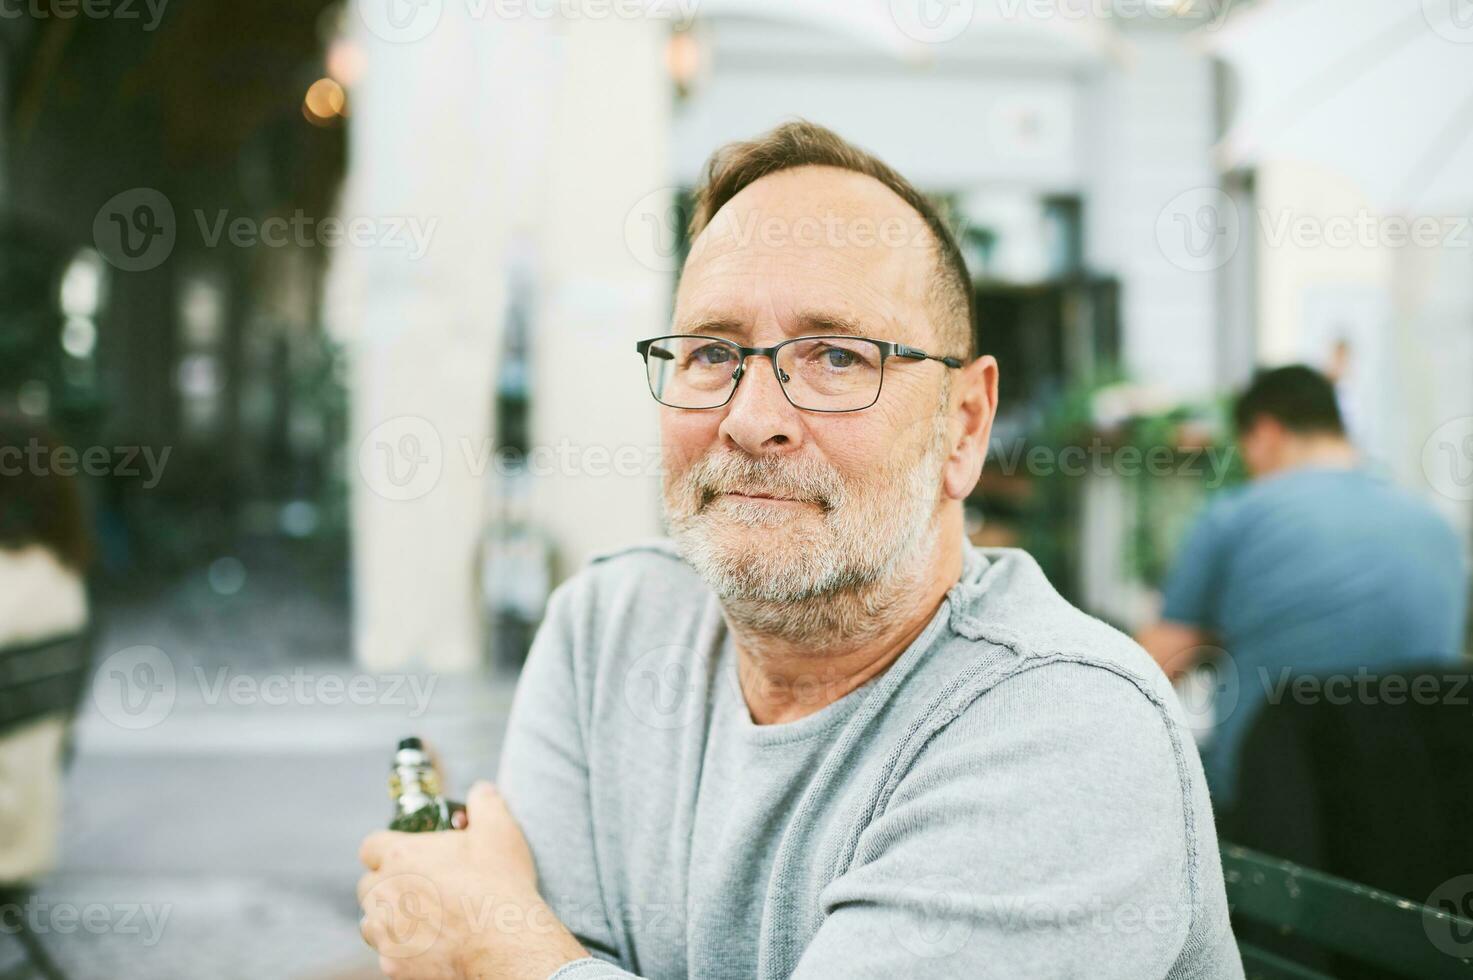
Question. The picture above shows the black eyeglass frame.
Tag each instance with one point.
(888, 349)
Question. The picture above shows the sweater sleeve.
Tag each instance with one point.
(544, 776)
(1000, 852)
(592, 969)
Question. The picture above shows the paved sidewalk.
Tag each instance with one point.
(213, 832)
(222, 842)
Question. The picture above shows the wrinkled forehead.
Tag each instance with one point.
(810, 250)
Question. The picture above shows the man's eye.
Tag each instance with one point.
(838, 357)
(710, 354)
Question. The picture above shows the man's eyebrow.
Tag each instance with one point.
(830, 323)
(803, 323)
(717, 326)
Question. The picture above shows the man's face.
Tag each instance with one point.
(774, 503)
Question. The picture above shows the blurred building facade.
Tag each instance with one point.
(1122, 185)
(1080, 153)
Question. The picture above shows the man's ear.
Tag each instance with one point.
(1268, 431)
(973, 407)
(1272, 426)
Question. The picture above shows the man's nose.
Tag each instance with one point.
(759, 417)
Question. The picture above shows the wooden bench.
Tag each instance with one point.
(1372, 928)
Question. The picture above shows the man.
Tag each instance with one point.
(1317, 567)
(818, 734)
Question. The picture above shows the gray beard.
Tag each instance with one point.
(848, 610)
(832, 580)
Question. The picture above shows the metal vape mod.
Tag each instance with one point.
(414, 784)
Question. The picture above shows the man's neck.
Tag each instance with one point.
(856, 637)
(1326, 451)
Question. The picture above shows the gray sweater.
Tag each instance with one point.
(1017, 796)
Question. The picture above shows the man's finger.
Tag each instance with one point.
(484, 807)
(375, 848)
(365, 885)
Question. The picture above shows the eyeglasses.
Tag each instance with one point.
(817, 374)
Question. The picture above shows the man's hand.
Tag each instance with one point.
(461, 903)
(1175, 646)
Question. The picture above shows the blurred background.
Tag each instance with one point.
(329, 309)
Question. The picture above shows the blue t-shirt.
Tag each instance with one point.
(1316, 571)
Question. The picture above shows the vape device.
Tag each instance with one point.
(414, 784)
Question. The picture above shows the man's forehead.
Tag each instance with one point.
(797, 300)
(806, 244)
(813, 210)
(822, 191)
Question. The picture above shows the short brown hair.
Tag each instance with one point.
(800, 143)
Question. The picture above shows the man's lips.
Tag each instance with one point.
(710, 494)
(765, 497)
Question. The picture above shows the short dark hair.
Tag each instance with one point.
(800, 143)
(39, 505)
(1299, 398)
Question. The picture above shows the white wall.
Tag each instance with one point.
(943, 131)
(1432, 335)
(1148, 172)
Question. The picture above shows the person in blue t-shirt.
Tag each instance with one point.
(1316, 567)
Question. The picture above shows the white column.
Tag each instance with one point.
(428, 123)
(593, 420)
(481, 129)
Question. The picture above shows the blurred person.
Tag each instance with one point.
(1318, 567)
(817, 733)
(44, 551)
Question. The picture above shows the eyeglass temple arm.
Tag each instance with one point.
(901, 350)
(646, 347)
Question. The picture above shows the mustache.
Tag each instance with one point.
(728, 472)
